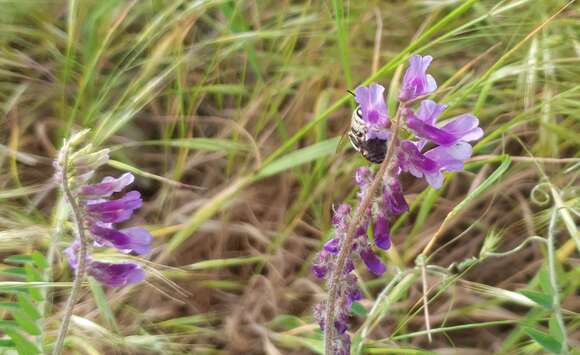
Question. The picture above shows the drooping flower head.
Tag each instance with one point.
(416, 81)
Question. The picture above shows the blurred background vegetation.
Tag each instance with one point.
(229, 113)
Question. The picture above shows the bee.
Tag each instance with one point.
(373, 150)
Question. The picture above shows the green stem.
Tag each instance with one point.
(554, 282)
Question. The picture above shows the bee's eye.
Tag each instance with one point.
(359, 134)
(359, 112)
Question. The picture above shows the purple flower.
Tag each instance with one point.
(340, 217)
(416, 81)
(343, 346)
(332, 246)
(106, 187)
(412, 160)
(112, 275)
(374, 111)
(71, 254)
(431, 164)
(450, 158)
(382, 232)
(461, 128)
(134, 239)
(319, 270)
(372, 262)
(116, 275)
(393, 198)
(114, 211)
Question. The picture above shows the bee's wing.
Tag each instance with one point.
(342, 140)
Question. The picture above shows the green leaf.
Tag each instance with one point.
(18, 259)
(544, 278)
(540, 298)
(359, 310)
(23, 345)
(286, 322)
(555, 330)
(14, 272)
(39, 260)
(299, 157)
(11, 306)
(33, 275)
(6, 343)
(8, 324)
(26, 323)
(27, 306)
(547, 341)
(103, 304)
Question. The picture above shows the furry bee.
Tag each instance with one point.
(373, 150)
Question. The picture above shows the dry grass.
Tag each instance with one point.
(237, 218)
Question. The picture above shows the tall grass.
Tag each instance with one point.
(230, 112)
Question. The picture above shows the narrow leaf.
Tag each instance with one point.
(547, 341)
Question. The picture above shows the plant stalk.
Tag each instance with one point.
(82, 261)
(554, 282)
(334, 283)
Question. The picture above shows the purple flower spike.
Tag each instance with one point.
(134, 239)
(116, 275)
(372, 262)
(115, 211)
(374, 111)
(461, 128)
(107, 186)
(382, 233)
(416, 81)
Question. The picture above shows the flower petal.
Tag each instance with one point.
(393, 198)
(107, 186)
(116, 275)
(134, 239)
(372, 262)
(382, 233)
(416, 81)
(114, 211)
(374, 111)
(450, 158)
(465, 126)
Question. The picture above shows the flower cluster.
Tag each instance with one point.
(99, 212)
(429, 149)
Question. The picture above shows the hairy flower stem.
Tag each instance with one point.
(346, 245)
(82, 255)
